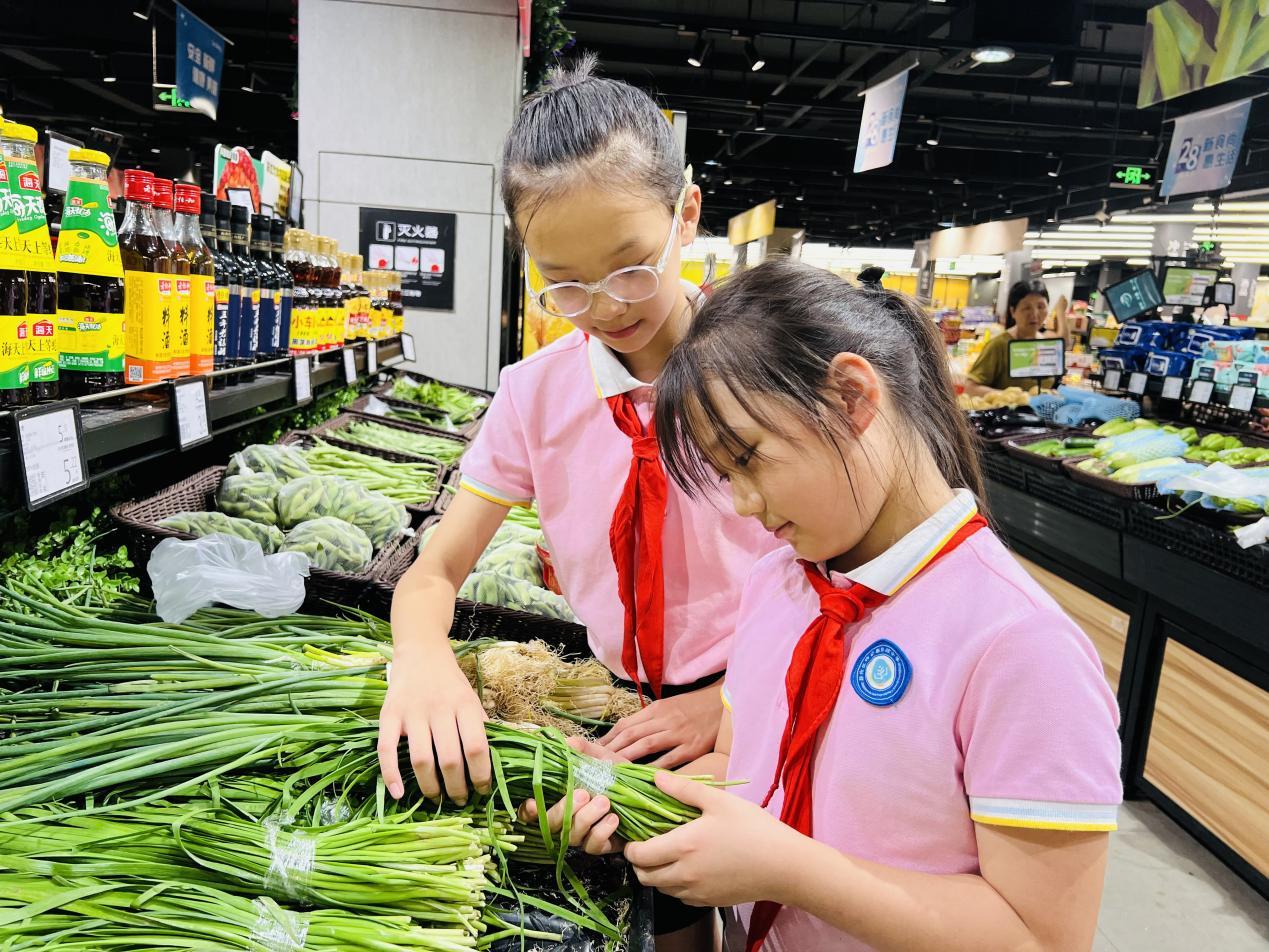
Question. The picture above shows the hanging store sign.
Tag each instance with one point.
(419, 245)
(989, 238)
(757, 222)
(1205, 148)
(200, 59)
(879, 125)
(1191, 46)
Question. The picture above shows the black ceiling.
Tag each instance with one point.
(1000, 128)
(55, 54)
(997, 125)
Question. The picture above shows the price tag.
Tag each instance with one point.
(350, 366)
(1241, 397)
(51, 452)
(1172, 388)
(407, 348)
(192, 411)
(372, 357)
(1137, 383)
(303, 380)
(1110, 380)
(1201, 391)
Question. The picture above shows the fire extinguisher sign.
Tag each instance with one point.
(418, 244)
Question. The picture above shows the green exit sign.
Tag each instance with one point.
(1128, 175)
(166, 100)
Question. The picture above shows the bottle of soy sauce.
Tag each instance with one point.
(228, 287)
(270, 344)
(248, 291)
(220, 305)
(286, 285)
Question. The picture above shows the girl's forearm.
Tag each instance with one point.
(713, 764)
(898, 909)
(422, 611)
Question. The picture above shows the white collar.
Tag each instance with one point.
(611, 376)
(888, 572)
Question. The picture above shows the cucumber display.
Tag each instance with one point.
(251, 496)
(206, 523)
(284, 462)
(331, 544)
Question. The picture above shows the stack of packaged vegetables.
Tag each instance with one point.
(509, 572)
(214, 784)
(1140, 451)
(271, 494)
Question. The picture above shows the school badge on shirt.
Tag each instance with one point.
(882, 673)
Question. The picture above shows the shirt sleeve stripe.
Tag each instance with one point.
(1043, 815)
(722, 691)
(487, 492)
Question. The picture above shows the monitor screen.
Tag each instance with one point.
(1045, 357)
(297, 195)
(1134, 296)
(1223, 293)
(57, 175)
(1187, 285)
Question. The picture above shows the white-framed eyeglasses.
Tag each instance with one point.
(628, 285)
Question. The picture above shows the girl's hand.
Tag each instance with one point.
(431, 702)
(734, 853)
(593, 827)
(680, 728)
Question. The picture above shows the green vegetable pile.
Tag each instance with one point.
(458, 406)
(1062, 448)
(413, 483)
(1226, 448)
(214, 785)
(378, 436)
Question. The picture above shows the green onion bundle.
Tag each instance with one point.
(412, 483)
(378, 436)
(459, 405)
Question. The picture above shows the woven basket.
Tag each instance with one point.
(475, 620)
(138, 521)
(307, 438)
(465, 432)
(329, 431)
(1136, 491)
(384, 393)
(1017, 448)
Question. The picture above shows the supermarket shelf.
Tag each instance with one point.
(117, 438)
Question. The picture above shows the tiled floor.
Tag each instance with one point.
(1166, 893)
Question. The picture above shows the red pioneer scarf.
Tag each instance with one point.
(635, 537)
(812, 683)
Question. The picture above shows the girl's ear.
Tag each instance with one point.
(691, 214)
(854, 381)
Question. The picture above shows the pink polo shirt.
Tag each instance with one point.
(1006, 717)
(549, 436)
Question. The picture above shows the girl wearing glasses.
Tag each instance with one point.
(593, 180)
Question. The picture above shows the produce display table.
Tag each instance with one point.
(1184, 642)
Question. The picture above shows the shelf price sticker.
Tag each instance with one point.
(191, 411)
(303, 380)
(372, 358)
(1172, 387)
(50, 452)
(1110, 380)
(407, 348)
(350, 366)
(1241, 397)
(1201, 391)
(1137, 383)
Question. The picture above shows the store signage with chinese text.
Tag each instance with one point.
(1129, 175)
(200, 59)
(879, 125)
(419, 245)
(1205, 148)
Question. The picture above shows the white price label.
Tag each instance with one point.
(1172, 388)
(303, 382)
(407, 348)
(1241, 397)
(193, 419)
(372, 358)
(1110, 380)
(1137, 383)
(350, 366)
(1201, 391)
(51, 451)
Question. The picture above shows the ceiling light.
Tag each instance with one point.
(992, 54)
(946, 224)
(142, 10)
(727, 181)
(933, 138)
(760, 121)
(156, 150)
(110, 79)
(1056, 170)
(701, 53)
(801, 196)
(1062, 70)
(957, 181)
(756, 62)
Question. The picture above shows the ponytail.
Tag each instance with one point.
(774, 330)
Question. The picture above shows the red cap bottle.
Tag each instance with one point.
(163, 193)
(138, 186)
(187, 199)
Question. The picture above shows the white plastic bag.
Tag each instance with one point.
(191, 574)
